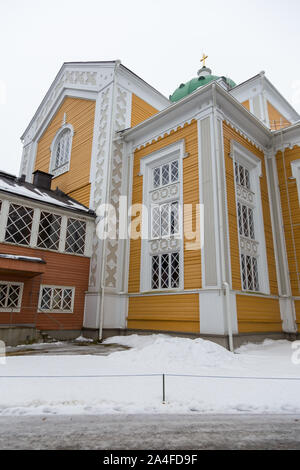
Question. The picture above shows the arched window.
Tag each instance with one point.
(61, 150)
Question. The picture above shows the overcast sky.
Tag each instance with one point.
(160, 40)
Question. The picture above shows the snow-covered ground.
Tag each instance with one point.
(149, 356)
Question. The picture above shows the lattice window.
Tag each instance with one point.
(56, 299)
(10, 296)
(165, 220)
(165, 271)
(242, 175)
(165, 174)
(19, 223)
(62, 149)
(246, 227)
(49, 231)
(75, 239)
(249, 272)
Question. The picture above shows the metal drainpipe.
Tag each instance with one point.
(107, 195)
(225, 284)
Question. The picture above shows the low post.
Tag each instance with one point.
(164, 389)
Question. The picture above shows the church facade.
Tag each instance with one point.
(207, 184)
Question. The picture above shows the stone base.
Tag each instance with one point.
(15, 335)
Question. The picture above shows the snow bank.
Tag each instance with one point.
(163, 353)
(224, 389)
(81, 339)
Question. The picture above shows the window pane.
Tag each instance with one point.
(174, 218)
(75, 236)
(13, 296)
(67, 299)
(174, 171)
(165, 174)
(155, 222)
(46, 298)
(164, 217)
(155, 272)
(19, 222)
(3, 295)
(49, 231)
(62, 149)
(156, 177)
(174, 270)
(164, 271)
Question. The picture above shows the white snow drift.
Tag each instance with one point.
(149, 357)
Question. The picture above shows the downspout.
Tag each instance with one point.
(225, 284)
(107, 196)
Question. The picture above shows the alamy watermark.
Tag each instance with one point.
(139, 221)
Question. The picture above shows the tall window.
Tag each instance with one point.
(61, 150)
(165, 226)
(249, 244)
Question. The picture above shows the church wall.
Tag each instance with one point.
(140, 110)
(249, 305)
(276, 116)
(76, 182)
(246, 104)
(165, 315)
(165, 312)
(291, 217)
(258, 314)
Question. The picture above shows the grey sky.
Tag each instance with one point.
(160, 40)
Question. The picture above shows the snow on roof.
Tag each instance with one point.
(16, 186)
(22, 258)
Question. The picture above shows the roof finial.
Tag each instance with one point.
(204, 57)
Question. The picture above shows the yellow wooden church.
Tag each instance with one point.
(231, 151)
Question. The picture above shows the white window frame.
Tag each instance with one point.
(89, 225)
(250, 161)
(52, 287)
(66, 166)
(295, 167)
(175, 151)
(18, 308)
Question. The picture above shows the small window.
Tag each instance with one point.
(19, 223)
(165, 271)
(61, 150)
(165, 174)
(10, 296)
(75, 239)
(49, 231)
(56, 299)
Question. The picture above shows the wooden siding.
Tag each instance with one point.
(80, 113)
(246, 104)
(192, 258)
(165, 312)
(258, 314)
(297, 309)
(290, 212)
(140, 110)
(231, 134)
(276, 119)
(61, 270)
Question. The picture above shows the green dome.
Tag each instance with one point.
(188, 88)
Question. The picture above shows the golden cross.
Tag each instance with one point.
(204, 57)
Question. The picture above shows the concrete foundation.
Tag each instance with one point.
(14, 335)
